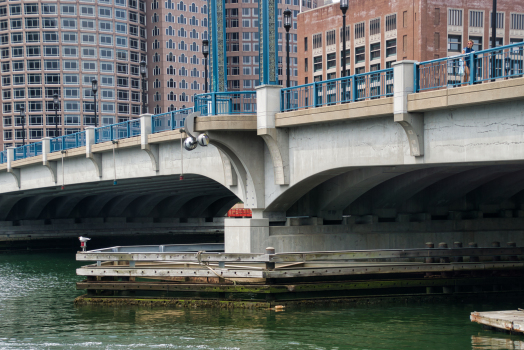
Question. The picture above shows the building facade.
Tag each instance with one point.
(49, 47)
(242, 42)
(380, 32)
(176, 64)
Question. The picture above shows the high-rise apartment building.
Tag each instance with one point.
(59, 47)
(380, 32)
(176, 64)
(242, 42)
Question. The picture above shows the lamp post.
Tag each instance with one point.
(55, 105)
(344, 7)
(287, 27)
(22, 114)
(205, 52)
(94, 87)
(143, 72)
(493, 38)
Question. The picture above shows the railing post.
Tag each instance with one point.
(315, 94)
(128, 128)
(173, 120)
(416, 80)
(213, 103)
(353, 88)
(63, 142)
(472, 69)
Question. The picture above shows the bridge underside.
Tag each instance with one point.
(150, 205)
(414, 193)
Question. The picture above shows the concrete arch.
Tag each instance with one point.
(501, 189)
(220, 207)
(244, 150)
(6, 205)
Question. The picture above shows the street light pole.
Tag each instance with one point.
(344, 7)
(205, 52)
(287, 26)
(22, 114)
(493, 38)
(55, 102)
(94, 87)
(143, 72)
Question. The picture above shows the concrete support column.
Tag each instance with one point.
(277, 140)
(46, 149)
(145, 131)
(412, 123)
(96, 159)
(14, 171)
(246, 235)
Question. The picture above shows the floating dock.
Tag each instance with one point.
(205, 275)
(511, 321)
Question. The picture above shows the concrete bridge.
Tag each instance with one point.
(390, 172)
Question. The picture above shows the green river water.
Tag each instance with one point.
(37, 312)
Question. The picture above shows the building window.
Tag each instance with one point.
(317, 64)
(360, 30)
(477, 42)
(391, 22)
(374, 26)
(454, 17)
(500, 20)
(517, 21)
(374, 51)
(305, 64)
(455, 43)
(348, 33)
(305, 43)
(476, 19)
(331, 60)
(317, 41)
(391, 47)
(360, 54)
(330, 37)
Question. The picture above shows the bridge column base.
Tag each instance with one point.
(246, 235)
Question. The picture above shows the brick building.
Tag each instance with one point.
(380, 32)
(242, 42)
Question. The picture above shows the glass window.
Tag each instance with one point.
(89, 66)
(34, 65)
(50, 51)
(71, 92)
(108, 107)
(16, 24)
(18, 66)
(18, 79)
(51, 65)
(50, 37)
(106, 39)
(107, 80)
(88, 24)
(33, 51)
(70, 51)
(69, 37)
(32, 37)
(32, 23)
(17, 38)
(106, 53)
(50, 23)
(87, 11)
(34, 79)
(31, 9)
(72, 106)
(70, 64)
(108, 94)
(89, 52)
(68, 23)
(34, 92)
(107, 67)
(121, 28)
(121, 41)
(17, 51)
(49, 9)
(15, 10)
(87, 79)
(68, 10)
(71, 79)
(105, 26)
(104, 12)
(88, 39)
(120, 14)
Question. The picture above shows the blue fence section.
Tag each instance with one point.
(3, 157)
(70, 141)
(498, 63)
(117, 131)
(341, 90)
(30, 150)
(226, 103)
(170, 120)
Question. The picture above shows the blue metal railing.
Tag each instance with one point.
(70, 141)
(26, 151)
(340, 90)
(226, 103)
(118, 131)
(497, 63)
(170, 120)
(3, 157)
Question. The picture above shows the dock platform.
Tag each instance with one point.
(204, 273)
(511, 321)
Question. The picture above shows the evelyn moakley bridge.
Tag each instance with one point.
(386, 159)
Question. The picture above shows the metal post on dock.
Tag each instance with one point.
(270, 265)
